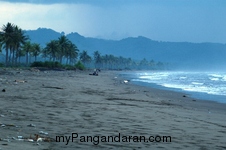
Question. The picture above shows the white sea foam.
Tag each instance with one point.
(151, 77)
(224, 78)
(210, 83)
(197, 83)
(216, 75)
(214, 79)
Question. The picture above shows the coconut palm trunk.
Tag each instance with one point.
(6, 57)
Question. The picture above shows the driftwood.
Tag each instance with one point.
(53, 87)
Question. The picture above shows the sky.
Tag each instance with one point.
(194, 21)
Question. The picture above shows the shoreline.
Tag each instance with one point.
(192, 94)
(181, 96)
(60, 103)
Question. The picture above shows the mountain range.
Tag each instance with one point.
(179, 54)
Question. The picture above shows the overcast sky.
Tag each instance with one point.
(163, 20)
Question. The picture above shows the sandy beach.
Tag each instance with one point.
(53, 104)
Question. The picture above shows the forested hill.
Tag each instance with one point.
(177, 53)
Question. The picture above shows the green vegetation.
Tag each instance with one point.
(47, 64)
(11, 39)
(60, 53)
(58, 50)
(55, 65)
(79, 66)
(1, 65)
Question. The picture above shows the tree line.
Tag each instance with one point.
(16, 45)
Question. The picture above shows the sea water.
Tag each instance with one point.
(201, 85)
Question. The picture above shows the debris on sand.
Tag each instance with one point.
(31, 125)
(35, 138)
(20, 81)
(8, 125)
(53, 87)
(34, 70)
(39, 138)
(126, 81)
(42, 132)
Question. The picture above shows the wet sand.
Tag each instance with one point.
(64, 102)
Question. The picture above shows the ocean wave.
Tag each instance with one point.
(197, 83)
(203, 89)
(210, 83)
(216, 75)
(214, 79)
(224, 78)
(150, 77)
(182, 77)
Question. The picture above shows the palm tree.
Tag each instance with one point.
(7, 39)
(44, 53)
(27, 48)
(84, 57)
(104, 61)
(63, 46)
(1, 41)
(71, 53)
(129, 63)
(0, 44)
(143, 63)
(18, 40)
(52, 49)
(152, 64)
(97, 59)
(20, 53)
(12, 38)
(36, 50)
(111, 61)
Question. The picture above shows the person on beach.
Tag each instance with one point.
(95, 73)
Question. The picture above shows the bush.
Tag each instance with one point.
(69, 67)
(47, 64)
(52, 65)
(2, 65)
(37, 64)
(79, 65)
(57, 65)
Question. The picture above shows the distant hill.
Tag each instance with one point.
(180, 54)
(42, 35)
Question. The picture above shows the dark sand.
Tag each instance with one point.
(64, 102)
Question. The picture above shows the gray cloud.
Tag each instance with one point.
(178, 20)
